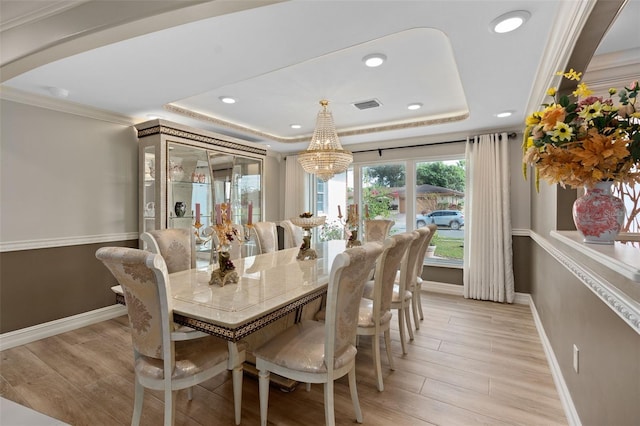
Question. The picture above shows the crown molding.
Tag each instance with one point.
(616, 69)
(15, 95)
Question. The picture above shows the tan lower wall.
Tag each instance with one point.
(606, 389)
(52, 283)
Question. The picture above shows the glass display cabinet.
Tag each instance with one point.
(185, 173)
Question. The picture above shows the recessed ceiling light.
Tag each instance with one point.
(296, 126)
(414, 106)
(509, 21)
(504, 114)
(374, 60)
(58, 92)
(227, 100)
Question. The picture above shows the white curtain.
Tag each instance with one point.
(488, 264)
(295, 188)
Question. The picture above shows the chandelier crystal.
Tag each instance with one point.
(325, 157)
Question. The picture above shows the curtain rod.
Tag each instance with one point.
(379, 150)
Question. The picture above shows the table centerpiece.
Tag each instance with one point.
(307, 221)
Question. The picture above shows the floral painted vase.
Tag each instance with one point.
(598, 215)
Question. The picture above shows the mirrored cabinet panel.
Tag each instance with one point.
(187, 175)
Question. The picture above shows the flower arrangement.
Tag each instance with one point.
(584, 140)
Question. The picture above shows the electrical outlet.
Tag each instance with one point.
(576, 353)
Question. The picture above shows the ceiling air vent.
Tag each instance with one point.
(372, 103)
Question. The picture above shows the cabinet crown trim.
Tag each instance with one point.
(171, 131)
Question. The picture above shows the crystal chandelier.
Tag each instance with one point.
(325, 156)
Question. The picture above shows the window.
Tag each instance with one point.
(439, 199)
(429, 191)
(384, 195)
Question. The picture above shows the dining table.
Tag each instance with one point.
(271, 286)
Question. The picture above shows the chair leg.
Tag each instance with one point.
(414, 306)
(329, 415)
(375, 345)
(190, 393)
(387, 344)
(354, 394)
(263, 384)
(169, 407)
(420, 302)
(407, 317)
(401, 329)
(137, 403)
(237, 393)
(308, 387)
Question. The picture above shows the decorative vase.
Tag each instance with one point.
(598, 215)
(180, 208)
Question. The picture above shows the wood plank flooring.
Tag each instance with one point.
(471, 363)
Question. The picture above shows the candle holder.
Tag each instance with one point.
(225, 274)
(350, 225)
(307, 222)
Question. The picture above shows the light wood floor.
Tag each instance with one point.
(471, 363)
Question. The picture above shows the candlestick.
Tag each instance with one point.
(250, 213)
(218, 218)
(339, 212)
(197, 212)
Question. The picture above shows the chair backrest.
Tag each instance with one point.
(176, 245)
(349, 273)
(292, 234)
(377, 229)
(432, 231)
(266, 236)
(143, 278)
(415, 257)
(393, 253)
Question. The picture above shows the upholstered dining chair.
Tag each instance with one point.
(404, 285)
(176, 245)
(266, 237)
(292, 234)
(375, 313)
(416, 301)
(161, 360)
(315, 352)
(377, 229)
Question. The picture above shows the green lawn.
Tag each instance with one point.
(448, 248)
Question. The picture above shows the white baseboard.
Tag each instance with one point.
(62, 325)
(458, 290)
(561, 386)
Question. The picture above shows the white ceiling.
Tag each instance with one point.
(281, 59)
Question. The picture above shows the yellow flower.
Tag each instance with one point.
(571, 75)
(612, 91)
(562, 132)
(552, 91)
(592, 111)
(582, 91)
(533, 119)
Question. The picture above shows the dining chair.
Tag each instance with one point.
(404, 285)
(162, 361)
(266, 237)
(375, 313)
(315, 352)
(292, 234)
(417, 301)
(377, 229)
(176, 245)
